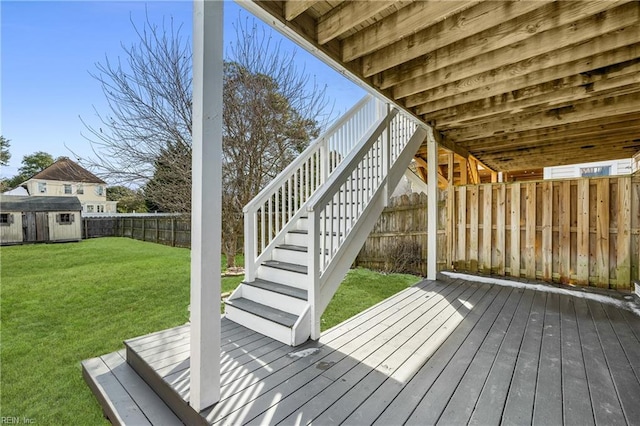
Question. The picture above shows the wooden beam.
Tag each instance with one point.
(609, 125)
(442, 181)
(464, 171)
(553, 93)
(303, 31)
(615, 49)
(348, 15)
(505, 34)
(570, 154)
(294, 8)
(445, 143)
(559, 146)
(583, 111)
(398, 25)
(463, 24)
(473, 170)
(540, 44)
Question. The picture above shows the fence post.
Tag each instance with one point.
(173, 231)
(144, 231)
(157, 231)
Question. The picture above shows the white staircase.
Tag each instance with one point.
(304, 230)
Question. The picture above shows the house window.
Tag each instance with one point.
(6, 219)
(65, 218)
(99, 190)
(67, 189)
(100, 208)
(595, 171)
(89, 208)
(42, 187)
(80, 190)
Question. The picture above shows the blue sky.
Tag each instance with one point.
(48, 49)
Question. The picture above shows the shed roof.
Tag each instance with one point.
(66, 170)
(13, 203)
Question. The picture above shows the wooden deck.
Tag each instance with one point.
(443, 352)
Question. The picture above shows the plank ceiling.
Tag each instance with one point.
(517, 84)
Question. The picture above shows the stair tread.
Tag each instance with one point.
(267, 312)
(287, 290)
(305, 232)
(293, 247)
(301, 269)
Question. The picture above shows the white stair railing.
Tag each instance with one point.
(335, 209)
(276, 208)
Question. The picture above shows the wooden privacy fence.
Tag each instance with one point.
(579, 231)
(169, 230)
(398, 242)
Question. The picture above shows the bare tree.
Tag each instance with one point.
(272, 109)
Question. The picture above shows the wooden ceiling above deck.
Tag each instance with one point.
(517, 84)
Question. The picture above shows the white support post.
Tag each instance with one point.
(314, 272)
(206, 200)
(432, 205)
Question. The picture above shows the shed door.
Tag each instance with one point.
(35, 226)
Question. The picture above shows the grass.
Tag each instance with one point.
(63, 303)
(361, 289)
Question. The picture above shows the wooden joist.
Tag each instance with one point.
(403, 23)
(348, 16)
(464, 24)
(557, 93)
(491, 77)
(578, 112)
(457, 64)
(294, 8)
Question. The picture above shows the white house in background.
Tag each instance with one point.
(65, 178)
(600, 168)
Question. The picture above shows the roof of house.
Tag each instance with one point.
(66, 170)
(19, 190)
(14, 203)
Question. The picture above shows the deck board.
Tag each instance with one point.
(405, 402)
(519, 404)
(458, 410)
(548, 398)
(575, 390)
(441, 352)
(436, 398)
(490, 403)
(624, 379)
(605, 403)
(364, 369)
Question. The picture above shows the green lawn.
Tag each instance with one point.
(63, 303)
